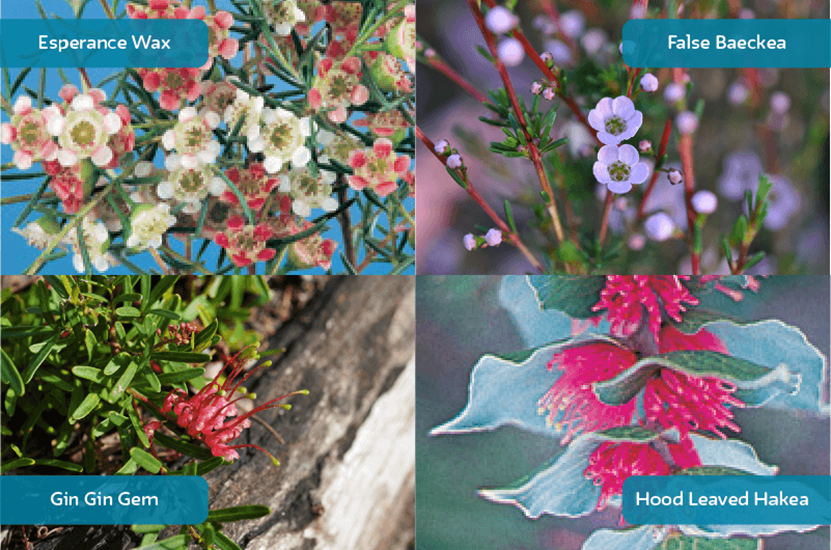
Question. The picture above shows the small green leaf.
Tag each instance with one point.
(180, 356)
(71, 466)
(125, 379)
(146, 460)
(236, 513)
(130, 467)
(9, 374)
(89, 342)
(17, 463)
(182, 446)
(39, 358)
(128, 311)
(87, 405)
(89, 373)
(166, 314)
(180, 376)
(173, 543)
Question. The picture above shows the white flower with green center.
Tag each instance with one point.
(619, 167)
(148, 224)
(283, 15)
(282, 138)
(615, 120)
(309, 190)
(193, 137)
(40, 232)
(245, 108)
(188, 185)
(84, 132)
(96, 242)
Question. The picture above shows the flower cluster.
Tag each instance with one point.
(211, 415)
(252, 155)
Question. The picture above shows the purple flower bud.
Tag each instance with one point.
(686, 122)
(548, 93)
(645, 146)
(493, 237)
(469, 241)
(536, 88)
(454, 161)
(649, 83)
(675, 176)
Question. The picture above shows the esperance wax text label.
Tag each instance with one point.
(103, 500)
(727, 500)
(174, 43)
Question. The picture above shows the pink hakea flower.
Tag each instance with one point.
(246, 244)
(690, 403)
(611, 463)
(571, 403)
(212, 416)
(28, 133)
(377, 168)
(631, 299)
(337, 86)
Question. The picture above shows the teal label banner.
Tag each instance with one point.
(150, 43)
(707, 43)
(727, 500)
(103, 500)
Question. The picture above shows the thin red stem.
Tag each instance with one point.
(448, 71)
(506, 231)
(662, 149)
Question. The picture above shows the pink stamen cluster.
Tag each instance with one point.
(571, 404)
(377, 168)
(245, 244)
(211, 415)
(611, 463)
(629, 297)
(690, 403)
(67, 184)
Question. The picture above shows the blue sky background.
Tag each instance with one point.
(16, 255)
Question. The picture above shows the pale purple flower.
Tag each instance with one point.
(559, 52)
(572, 23)
(593, 41)
(686, 122)
(780, 102)
(493, 237)
(741, 173)
(675, 176)
(441, 146)
(737, 93)
(536, 88)
(510, 52)
(636, 241)
(649, 83)
(619, 168)
(454, 161)
(500, 20)
(469, 241)
(548, 93)
(783, 202)
(659, 227)
(674, 92)
(615, 120)
(704, 202)
(645, 146)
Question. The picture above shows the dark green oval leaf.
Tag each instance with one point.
(236, 513)
(146, 460)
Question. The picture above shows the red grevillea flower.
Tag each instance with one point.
(611, 463)
(628, 297)
(572, 396)
(211, 415)
(690, 403)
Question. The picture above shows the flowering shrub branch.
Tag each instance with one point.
(302, 115)
(608, 104)
(644, 379)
